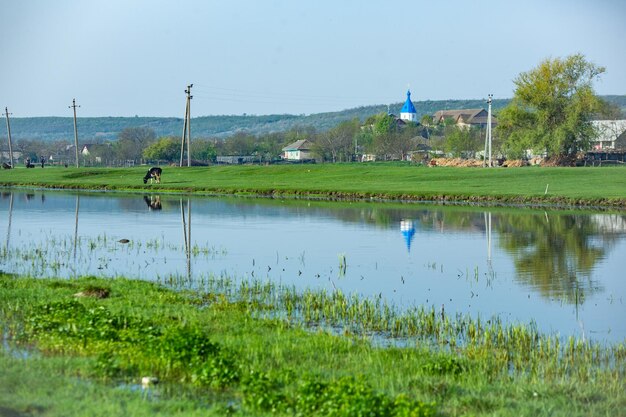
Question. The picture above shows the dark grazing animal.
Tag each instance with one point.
(6, 166)
(153, 175)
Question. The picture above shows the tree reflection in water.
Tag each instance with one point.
(555, 253)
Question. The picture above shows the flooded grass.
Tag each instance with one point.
(254, 348)
(65, 255)
(521, 348)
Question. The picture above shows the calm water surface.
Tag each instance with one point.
(562, 270)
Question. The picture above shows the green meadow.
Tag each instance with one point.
(528, 185)
(81, 347)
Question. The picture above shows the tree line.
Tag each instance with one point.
(550, 114)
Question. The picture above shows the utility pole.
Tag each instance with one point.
(6, 113)
(488, 134)
(187, 129)
(189, 97)
(75, 129)
(182, 141)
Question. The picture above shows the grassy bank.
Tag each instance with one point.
(80, 347)
(567, 186)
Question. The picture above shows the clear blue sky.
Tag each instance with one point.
(135, 57)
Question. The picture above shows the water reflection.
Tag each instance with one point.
(186, 233)
(407, 228)
(473, 260)
(555, 253)
(76, 228)
(153, 202)
(10, 216)
(488, 234)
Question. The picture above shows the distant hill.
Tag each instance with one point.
(107, 128)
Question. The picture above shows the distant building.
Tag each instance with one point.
(235, 159)
(611, 134)
(17, 155)
(465, 118)
(91, 148)
(98, 149)
(299, 150)
(408, 112)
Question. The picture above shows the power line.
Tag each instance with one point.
(249, 95)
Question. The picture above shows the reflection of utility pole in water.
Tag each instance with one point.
(187, 233)
(189, 238)
(488, 233)
(10, 215)
(76, 228)
(578, 302)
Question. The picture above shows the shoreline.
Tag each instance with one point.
(590, 188)
(557, 202)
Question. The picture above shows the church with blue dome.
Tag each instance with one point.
(408, 112)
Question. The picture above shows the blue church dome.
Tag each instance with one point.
(408, 105)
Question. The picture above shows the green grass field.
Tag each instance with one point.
(68, 355)
(577, 186)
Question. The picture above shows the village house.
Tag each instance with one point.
(98, 148)
(299, 150)
(465, 118)
(611, 134)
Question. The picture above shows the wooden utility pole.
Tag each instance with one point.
(187, 129)
(488, 134)
(6, 113)
(182, 141)
(189, 97)
(75, 130)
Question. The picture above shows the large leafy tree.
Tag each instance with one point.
(463, 142)
(203, 149)
(164, 149)
(551, 108)
(240, 144)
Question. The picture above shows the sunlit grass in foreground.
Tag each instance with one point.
(253, 348)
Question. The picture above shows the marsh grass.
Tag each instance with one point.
(245, 346)
(60, 255)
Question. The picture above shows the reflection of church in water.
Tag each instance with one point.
(408, 231)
